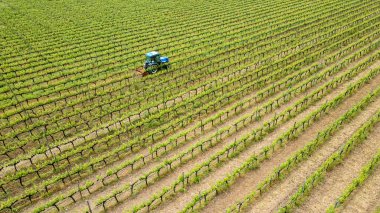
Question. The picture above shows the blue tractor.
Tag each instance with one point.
(155, 62)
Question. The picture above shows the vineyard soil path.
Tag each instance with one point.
(342, 175)
(246, 183)
(179, 201)
(279, 193)
(367, 196)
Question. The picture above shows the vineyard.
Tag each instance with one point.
(268, 106)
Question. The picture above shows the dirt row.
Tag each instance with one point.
(280, 193)
(342, 175)
(178, 202)
(367, 196)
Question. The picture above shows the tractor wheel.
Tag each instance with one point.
(153, 69)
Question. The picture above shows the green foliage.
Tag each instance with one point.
(80, 83)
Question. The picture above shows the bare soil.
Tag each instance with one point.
(280, 193)
(342, 175)
(366, 198)
(179, 202)
(247, 183)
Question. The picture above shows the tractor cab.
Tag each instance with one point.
(155, 62)
(152, 58)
